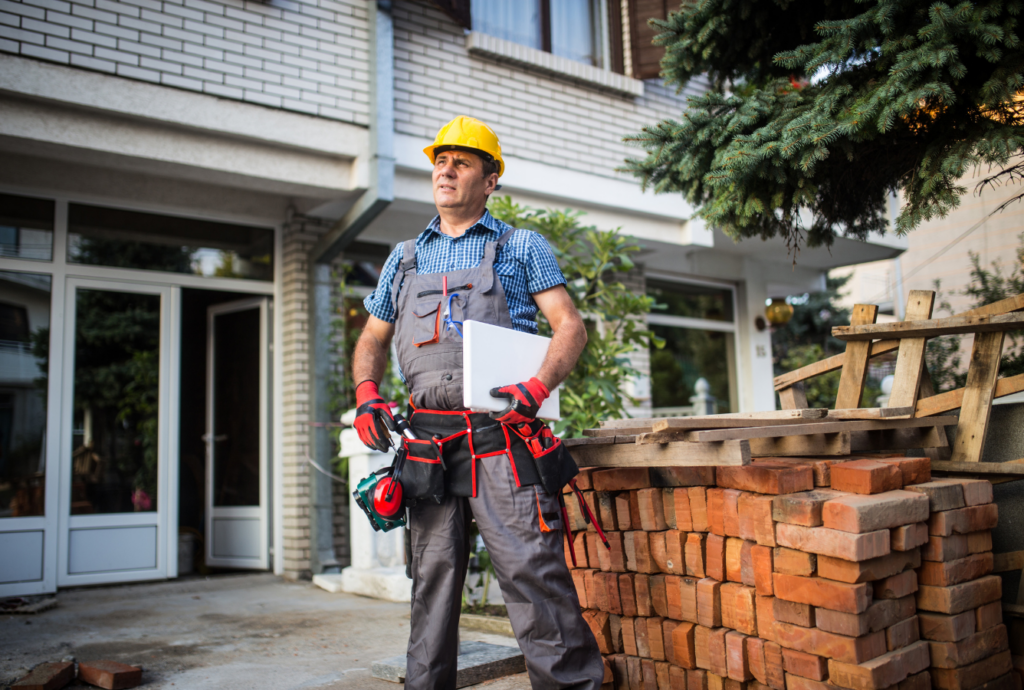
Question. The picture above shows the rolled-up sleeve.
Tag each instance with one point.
(542, 271)
(378, 302)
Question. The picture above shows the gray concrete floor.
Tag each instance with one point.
(225, 633)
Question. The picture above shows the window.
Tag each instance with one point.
(26, 227)
(697, 323)
(568, 28)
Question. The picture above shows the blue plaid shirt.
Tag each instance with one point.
(524, 266)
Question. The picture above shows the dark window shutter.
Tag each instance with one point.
(458, 10)
(646, 55)
(615, 36)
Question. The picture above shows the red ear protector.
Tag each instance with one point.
(387, 498)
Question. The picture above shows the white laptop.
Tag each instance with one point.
(493, 357)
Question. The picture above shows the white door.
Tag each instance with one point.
(118, 497)
(236, 435)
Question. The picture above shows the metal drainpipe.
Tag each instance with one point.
(379, 194)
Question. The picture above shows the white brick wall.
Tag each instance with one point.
(537, 117)
(309, 56)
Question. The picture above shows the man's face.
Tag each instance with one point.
(459, 181)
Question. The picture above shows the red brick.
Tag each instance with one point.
(584, 480)
(715, 556)
(676, 678)
(976, 492)
(696, 679)
(858, 513)
(642, 589)
(733, 559)
(694, 553)
(683, 476)
(688, 596)
(675, 559)
(718, 662)
(954, 572)
(600, 626)
(902, 634)
(830, 542)
(681, 515)
(737, 662)
(882, 672)
(673, 597)
(634, 509)
(816, 591)
(620, 479)
(756, 520)
(110, 675)
(793, 562)
(591, 589)
(716, 515)
(907, 537)
(51, 675)
(973, 676)
(605, 510)
(761, 556)
(683, 651)
(973, 648)
(615, 625)
(629, 636)
(957, 598)
(942, 495)
(942, 627)
(659, 554)
(668, 626)
(853, 650)
(635, 672)
(612, 600)
(698, 508)
(793, 612)
(615, 552)
(709, 603)
(822, 467)
(731, 512)
(622, 515)
(866, 477)
(945, 548)
(594, 555)
(627, 594)
(773, 666)
(659, 596)
(765, 609)
(988, 616)
(652, 510)
(802, 508)
(755, 659)
(798, 683)
(964, 520)
(739, 610)
(663, 675)
(879, 616)
(579, 584)
(766, 479)
(668, 503)
(979, 542)
(896, 586)
(913, 470)
(918, 681)
(870, 570)
(656, 638)
(620, 672)
(650, 674)
(804, 665)
(638, 552)
(569, 555)
(582, 557)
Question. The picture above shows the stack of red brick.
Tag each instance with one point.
(785, 574)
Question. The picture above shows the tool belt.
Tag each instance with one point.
(444, 462)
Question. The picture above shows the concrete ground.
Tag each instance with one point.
(229, 632)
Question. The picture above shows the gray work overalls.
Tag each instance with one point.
(488, 476)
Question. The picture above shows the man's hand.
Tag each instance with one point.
(525, 400)
(371, 411)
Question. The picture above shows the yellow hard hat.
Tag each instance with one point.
(468, 133)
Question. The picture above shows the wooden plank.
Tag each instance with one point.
(981, 469)
(664, 455)
(931, 328)
(928, 391)
(977, 401)
(1005, 562)
(696, 423)
(897, 439)
(615, 431)
(793, 398)
(639, 422)
(1015, 610)
(855, 365)
(951, 400)
(1005, 306)
(910, 360)
(713, 435)
(799, 446)
(872, 413)
(602, 441)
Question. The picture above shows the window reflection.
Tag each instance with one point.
(116, 402)
(24, 343)
(130, 239)
(26, 227)
(690, 354)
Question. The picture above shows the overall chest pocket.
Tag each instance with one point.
(427, 329)
(439, 319)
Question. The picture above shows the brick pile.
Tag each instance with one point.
(791, 575)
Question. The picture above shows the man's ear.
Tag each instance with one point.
(491, 183)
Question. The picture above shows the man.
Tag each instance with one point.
(468, 265)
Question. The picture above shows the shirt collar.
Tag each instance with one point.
(487, 223)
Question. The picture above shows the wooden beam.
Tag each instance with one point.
(855, 365)
(953, 325)
(928, 391)
(793, 398)
(910, 360)
(810, 413)
(1012, 468)
(1005, 562)
(812, 428)
(663, 455)
(952, 400)
(799, 446)
(872, 413)
(897, 439)
(977, 401)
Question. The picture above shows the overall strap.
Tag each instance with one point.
(491, 250)
(407, 265)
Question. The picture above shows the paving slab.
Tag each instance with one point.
(478, 662)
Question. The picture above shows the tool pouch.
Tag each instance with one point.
(555, 466)
(423, 475)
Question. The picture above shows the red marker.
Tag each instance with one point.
(444, 285)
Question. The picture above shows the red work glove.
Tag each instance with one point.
(371, 412)
(526, 399)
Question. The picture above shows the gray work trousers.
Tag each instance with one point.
(559, 647)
